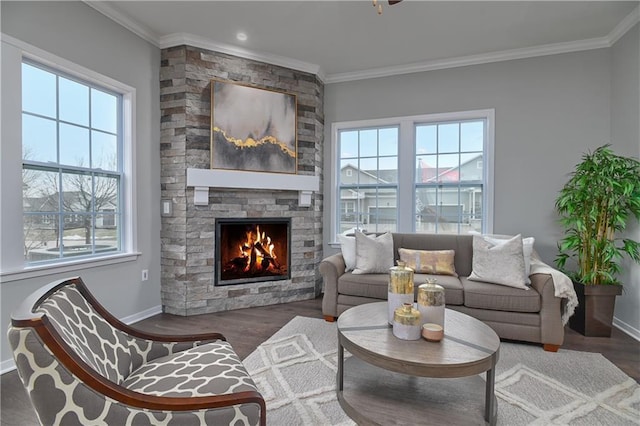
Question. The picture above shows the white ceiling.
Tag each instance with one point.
(346, 40)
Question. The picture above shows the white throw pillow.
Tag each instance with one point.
(374, 255)
(527, 248)
(348, 247)
(500, 263)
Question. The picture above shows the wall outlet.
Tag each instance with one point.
(145, 274)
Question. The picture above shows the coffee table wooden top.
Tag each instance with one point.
(469, 346)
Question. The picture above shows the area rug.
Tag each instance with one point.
(295, 370)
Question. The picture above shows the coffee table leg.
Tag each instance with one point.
(340, 365)
(489, 405)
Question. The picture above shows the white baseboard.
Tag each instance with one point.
(623, 326)
(9, 365)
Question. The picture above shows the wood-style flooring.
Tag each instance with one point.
(245, 329)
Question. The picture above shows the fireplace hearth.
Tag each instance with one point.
(252, 250)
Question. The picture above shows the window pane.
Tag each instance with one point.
(381, 210)
(370, 168)
(76, 192)
(39, 191)
(448, 168)
(471, 168)
(74, 145)
(349, 144)
(39, 139)
(448, 138)
(388, 172)
(74, 102)
(106, 232)
(426, 168)
(38, 91)
(369, 143)
(104, 151)
(472, 136)
(40, 237)
(106, 194)
(389, 141)
(77, 239)
(104, 111)
(426, 139)
(426, 218)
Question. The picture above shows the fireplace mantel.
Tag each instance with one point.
(203, 179)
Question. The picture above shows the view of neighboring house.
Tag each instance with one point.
(446, 197)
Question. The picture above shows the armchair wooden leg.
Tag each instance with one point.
(548, 347)
(329, 318)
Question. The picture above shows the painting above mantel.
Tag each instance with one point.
(252, 128)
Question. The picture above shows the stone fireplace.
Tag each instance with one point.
(252, 250)
(201, 196)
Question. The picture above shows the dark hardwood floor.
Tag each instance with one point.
(245, 329)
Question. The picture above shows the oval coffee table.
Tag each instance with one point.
(394, 381)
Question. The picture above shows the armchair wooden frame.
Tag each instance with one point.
(25, 316)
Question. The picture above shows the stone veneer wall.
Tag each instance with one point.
(188, 235)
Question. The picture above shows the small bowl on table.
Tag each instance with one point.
(432, 332)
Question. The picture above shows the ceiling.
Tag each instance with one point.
(347, 40)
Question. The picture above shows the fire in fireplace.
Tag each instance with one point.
(250, 250)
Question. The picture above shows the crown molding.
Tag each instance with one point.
(132, 25)
(463, 61)
(179, 39)
(625, 25)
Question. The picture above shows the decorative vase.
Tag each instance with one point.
(406, 322)
(400, 288)
(431, 302)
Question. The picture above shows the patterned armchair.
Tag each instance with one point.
(80, 366)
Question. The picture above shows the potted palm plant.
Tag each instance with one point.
(595, 206)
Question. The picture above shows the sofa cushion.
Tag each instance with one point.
(377, 286)
(453, 290)
(209, 369)
(483, 295)
(365, 285)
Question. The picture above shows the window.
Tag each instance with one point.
(72, 166)
(429, 173)
(368, 179)
(449, 182)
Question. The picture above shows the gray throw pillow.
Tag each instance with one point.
(374, 255)
(499, 263)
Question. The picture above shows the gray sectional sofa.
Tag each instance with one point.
(532, 315)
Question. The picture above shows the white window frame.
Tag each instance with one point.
(13, 265)
(407, 155)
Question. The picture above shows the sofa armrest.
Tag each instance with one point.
(331, 268)
(551, 327)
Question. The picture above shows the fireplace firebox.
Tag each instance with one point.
(252, 250)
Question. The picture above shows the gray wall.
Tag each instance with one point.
(625, 139)
(78, 33)
(548, 111)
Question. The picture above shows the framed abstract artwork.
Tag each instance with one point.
(253, 129)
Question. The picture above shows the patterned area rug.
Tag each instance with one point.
(295, 370)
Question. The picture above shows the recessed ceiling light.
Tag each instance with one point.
(241, 36)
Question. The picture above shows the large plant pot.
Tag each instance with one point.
(594, 314)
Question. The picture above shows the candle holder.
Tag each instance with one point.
(400, 288)
(406, 322)
(431, 302)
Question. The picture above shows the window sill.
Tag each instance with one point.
(60, 268)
